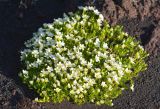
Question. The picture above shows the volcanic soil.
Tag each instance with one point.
(140, 18)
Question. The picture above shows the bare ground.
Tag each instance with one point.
(139, 17)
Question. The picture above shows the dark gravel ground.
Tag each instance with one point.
(139, 18)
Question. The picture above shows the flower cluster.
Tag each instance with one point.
(81, 58)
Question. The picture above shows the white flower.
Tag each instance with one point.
(91, 82)
(124, 33)
(105, 55)
(54, 85)
(78, 17)
(97, 58)
(75, 74)
(57, 90)
(40, 30)
(60, 65)
(103, 84)
(31, 82)
(107, 66)
(98, 90)
(81, 47)
(75, 49)
(97, 42)
(67, 36)
(68, 26)
(49, 34)
(96, 12)
(75, 31)
(60, 44)
(50, 69)
(44, 92)
(101, 101)
(85, 17)
(132, 43)
(74, 87)
(120, 73)
(49, 39)
(99, 21)
(41, 34)
(74, 82)
(35, 53)
(59, 49)
(89, 23)
(34, 64)
(46, 80)
(85, 79)
(140, 47)
(42, 80)
(82, 22)
(97, 69)
(36, 99)
(58, 32)
(65, 15)
(84, 8)
(106, 95)
(83, 61)
(98, 75)
(69, 76)
(127, 70)
(91, 8)
(48, 50)
(68, 64)
(58, 21)
(58, 37)
(81, 96)
(57, 55)
(78, 91)
(25, 72)
(57, 69)
(89, 65)
(69, 86)
(51, 74)
(123, 45)
(132, 87)
(137, 55)
(64, 80)
(43, 73)
(115, 78)
(99, 54)
(110, 88)
(78, 54)
(109, 80)
(112, 103)
(50, 26)
(101, 17)
(58, 83)
(86, 86)
(85, 71)
(105, 46)
(39, 61)
(118, 66)
(131, 60)
(52, 57)
(80, 68)
(112, 59)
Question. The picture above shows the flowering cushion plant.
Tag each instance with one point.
(81, 58)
